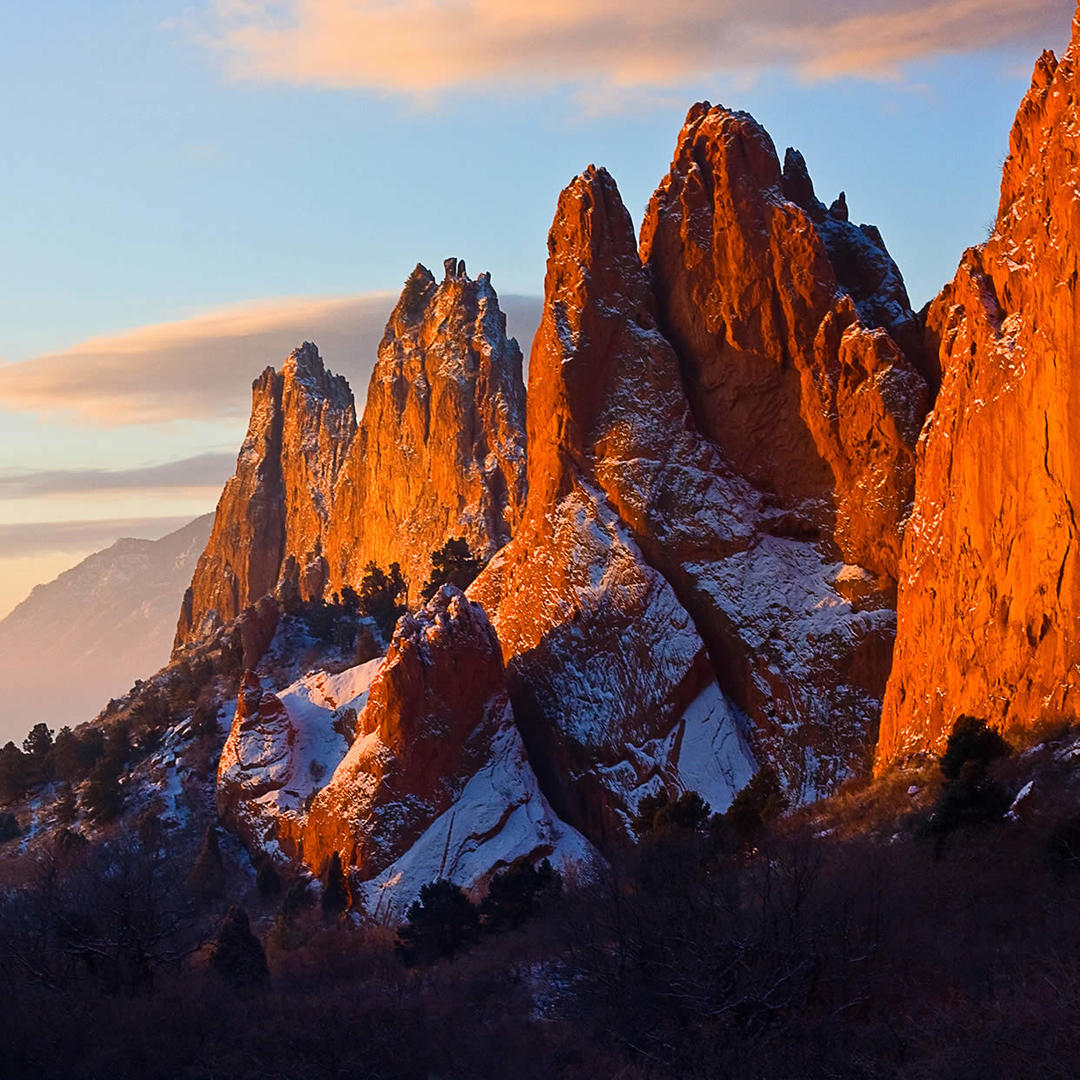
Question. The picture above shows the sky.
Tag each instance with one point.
(191, 188)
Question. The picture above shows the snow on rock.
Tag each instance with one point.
(282, 748)
(499, 816)
(437, 783)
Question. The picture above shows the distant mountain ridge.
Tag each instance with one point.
(75, 642)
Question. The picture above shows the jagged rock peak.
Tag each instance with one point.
(276, 506)
(431, 714)
(774, 306)
(989, 602)
(441, 449)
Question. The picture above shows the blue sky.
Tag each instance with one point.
(164, 160)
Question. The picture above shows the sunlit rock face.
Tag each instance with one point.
(436, 781)
(441, 448)
(278, 502)
(440, 453)
(789, 323)
(705, 515)
(989, 588)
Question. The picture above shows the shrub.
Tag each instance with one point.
(9, 827)
(441, 923)
(752, 810)
(970, 795)
(382, 596)
(658, 813)
(516, 893)
(971, 744)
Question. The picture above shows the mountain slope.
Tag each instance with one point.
(85, 637)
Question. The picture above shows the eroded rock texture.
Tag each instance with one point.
(989, 605)
(441, 447)
(721, 453)
(436, 781)
(277, 504)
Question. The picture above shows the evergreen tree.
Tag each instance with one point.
(452, 564)
(970, 795)
(9, 827)
(516, 893)
(207, 876)
(104, 796)
(659, 813)
(382, 596)
(335, 897)
(237, 954)
(38, 746)
(14, 773)
(752, 810)
(441, 923)
(66, 806)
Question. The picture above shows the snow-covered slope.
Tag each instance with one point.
(85, 637)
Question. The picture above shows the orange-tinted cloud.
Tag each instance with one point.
(423, 47)
(202, 368)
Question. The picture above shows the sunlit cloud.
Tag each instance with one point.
(421, 48)
(202, 368)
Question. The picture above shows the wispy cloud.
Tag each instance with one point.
(201, 368)
(209, 470)
(42, 538)
(424, 47)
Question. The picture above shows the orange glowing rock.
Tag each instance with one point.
(989, 600)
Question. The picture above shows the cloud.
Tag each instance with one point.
(202, 368)
(41, 538)
(209, 470)
(424, 47)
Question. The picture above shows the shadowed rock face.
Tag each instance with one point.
(441, 448)
(989, 603)
(681, 526)
(278, 502)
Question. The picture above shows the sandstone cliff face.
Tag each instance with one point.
(718, 520)
(989, 604)
(436, 782)
(604, 661)
(788, 322)
(441, 448)
(277, 504)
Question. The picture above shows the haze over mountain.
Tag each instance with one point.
(84, 638)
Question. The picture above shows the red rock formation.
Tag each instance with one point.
(441, 449)
(437, 723)
(277, 504)
(650, 560)
(602, 656)
(989, 604)
(786, 319)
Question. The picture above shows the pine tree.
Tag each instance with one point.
(452, 564)
(237, 954)
(441, 923)
(336, 897)
(207, 876)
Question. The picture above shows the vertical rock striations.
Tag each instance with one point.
(789, 323)
(277, 504)
(721, 454)
(989, 604)
(441, 448)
